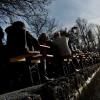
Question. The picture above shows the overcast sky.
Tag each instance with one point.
(67, 11)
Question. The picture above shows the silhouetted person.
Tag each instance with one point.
(3, 53)
(19, 42)
(16, 38)
(1, 46)
(1, 36)
(62, 50)
(3, 64)
(43, 39)
(32, 42)
(45, 72)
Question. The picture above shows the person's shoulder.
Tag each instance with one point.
(9, 29)
(29, 34)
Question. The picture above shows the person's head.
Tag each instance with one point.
(8, 29)
(1, 33)
(18, 24)
(64, 33)
(43, 37)
(56, 35)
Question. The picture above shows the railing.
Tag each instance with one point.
(85, 68)
(77, 69)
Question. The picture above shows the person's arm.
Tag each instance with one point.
(32, 42)
(70, 45)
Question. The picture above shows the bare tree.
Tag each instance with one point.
(24, 8)
(84, 32)
(82, 25)
(38, 23)
(34, 12)
(51, 25)
(87, 34)
(97, 31)
(74, 36)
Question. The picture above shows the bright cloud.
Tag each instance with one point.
(67, 11)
